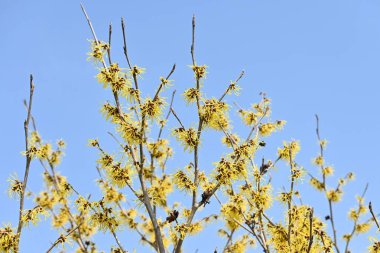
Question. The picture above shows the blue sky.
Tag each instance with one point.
(308, 56)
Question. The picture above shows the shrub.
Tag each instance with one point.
(139, 171)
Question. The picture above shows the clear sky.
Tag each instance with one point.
(308, 56)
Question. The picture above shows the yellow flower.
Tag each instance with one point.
(160, 189)
(353, 214)
(15, 188)
(152, 108)
(262, 198)
(233, 209)
(293, 147)
(214, 114)
(165, 82)
(105, 161)
(363, 227)
(195, 228)
(111, 195)
(104, 220)
(249, 118)
(233, 88)
(199, 71)
(83, 205)
(231, 140)
(328, 171)
(130, 132)
(34, 138)
(33, 215)
(188, 138)
(246, 150)
(182, 229)
(93, 143)
(9, 240)
(334, 195)
(240, 246)
(316, 184)
(285, 197)
(46, 200)
(350, 176)
(98, 49)
(137, 71)
(318, 160)
(159, 149)
(375, 247)
(183, 182)
(323, 143)
(227, 171)
(120, 175)
(191, 95)
(266, 129)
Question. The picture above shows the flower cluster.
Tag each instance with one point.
(98, 50)
(188, 137)
(214, 114)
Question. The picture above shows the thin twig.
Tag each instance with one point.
(193, 40)
(125, 43)
(373, 215)
(229, 240)
(161, 84)
(61, 237)
(167, 115)
(28, 157)
(175, 115)
(228, 88)
(89, 23)
(118, 241)
(109, 43)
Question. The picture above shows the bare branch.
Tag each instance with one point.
(175, 115)
(125, 43)
(193, 40)
(109, 43)
(373, 215)
(89, 23)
